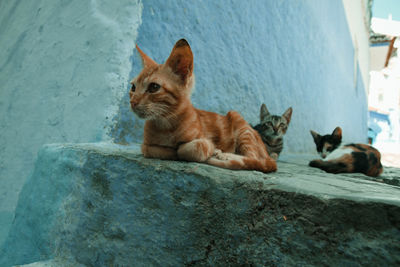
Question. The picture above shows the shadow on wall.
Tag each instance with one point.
(290, 53)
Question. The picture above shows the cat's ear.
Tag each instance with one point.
(146, 60)
(337, 134)
(288, 114)
(263, 112)
(316, 136)
(181, 60)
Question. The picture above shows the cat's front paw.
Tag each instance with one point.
(218, 154)
(315, 163)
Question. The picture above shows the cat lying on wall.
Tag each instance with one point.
(176, 130)
(272, 128)
(349, 158)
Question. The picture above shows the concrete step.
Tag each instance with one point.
(105, 205)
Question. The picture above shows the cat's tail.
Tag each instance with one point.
(375, 170)
(238, 162)
(375, 165)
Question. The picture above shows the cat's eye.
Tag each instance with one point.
(270, 124)
(133, 88)
(153, 87)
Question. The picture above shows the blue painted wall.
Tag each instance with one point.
(282, 53)
(63, 69)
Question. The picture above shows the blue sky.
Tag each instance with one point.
(382, 9)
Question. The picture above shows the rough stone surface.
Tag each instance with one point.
(106, 205)
(52, 263)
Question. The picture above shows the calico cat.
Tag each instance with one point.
(345, 158)
(176, 130)
(272, 128)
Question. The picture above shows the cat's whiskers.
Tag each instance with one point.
(164, 111)
(162, 114)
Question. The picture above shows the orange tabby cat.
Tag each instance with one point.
(175, 130)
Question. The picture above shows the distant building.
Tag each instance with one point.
(384, 90)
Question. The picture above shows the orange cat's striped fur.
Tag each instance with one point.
(176, 130)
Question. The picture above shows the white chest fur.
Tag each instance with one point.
(338, 153)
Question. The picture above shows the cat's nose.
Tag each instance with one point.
(133, 103)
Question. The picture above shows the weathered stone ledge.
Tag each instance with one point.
(106, 205)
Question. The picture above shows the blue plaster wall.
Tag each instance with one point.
(63, 69)
(282, 53)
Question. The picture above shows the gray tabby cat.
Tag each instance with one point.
(272, 128)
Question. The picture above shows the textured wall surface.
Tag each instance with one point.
(63, 69)
(358, 16)
(106, 205)
(282, 53)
